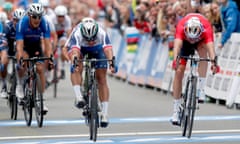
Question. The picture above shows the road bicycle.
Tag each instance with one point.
(33, 96)
(11, 87)
(92, 107)
(189, 97)
(56, 76)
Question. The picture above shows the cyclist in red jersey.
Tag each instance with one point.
(193, 32)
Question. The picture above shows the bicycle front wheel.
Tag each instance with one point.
(192, 106)
(55, 79)
(28, 105)
(94, 119)
(14, 103)
(189, 107)
(38, 100)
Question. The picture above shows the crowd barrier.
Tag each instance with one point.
(149, 64)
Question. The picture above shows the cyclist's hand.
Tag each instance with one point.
(174, 65)
(113, 68)
(65, 54)
(215, 68)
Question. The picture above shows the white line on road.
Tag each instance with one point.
(122, 134)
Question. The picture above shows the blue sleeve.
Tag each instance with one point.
(19, 30)
(46, 29)
(231, 17)
(1, 27)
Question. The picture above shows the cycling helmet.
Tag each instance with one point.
(18, 13)
(7, 6)
(60, 10)
(45, 3)
(3, 17)
(35, 9)
(193, 28)
(89, 29)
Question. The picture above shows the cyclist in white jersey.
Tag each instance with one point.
(63, 25)
(89, 38)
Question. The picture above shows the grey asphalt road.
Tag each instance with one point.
(137, 115)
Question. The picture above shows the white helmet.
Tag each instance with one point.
(193, 28)
(89, 28)
(60, 10)
(3, 17)
(35, 9)
(45, 3)
(18, 13)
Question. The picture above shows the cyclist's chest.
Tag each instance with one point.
(33, 33)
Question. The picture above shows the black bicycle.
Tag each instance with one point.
(33, 96)
(90, 93)
(189, 98)
(11, 87)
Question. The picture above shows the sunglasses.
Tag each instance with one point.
(36, 16)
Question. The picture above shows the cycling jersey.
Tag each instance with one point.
(32, 36)
(207, 34)
(10, 34)
(76, 41)
(62, 28)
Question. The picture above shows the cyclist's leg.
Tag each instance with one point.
(101, 76)
(20, 79)
(3, 69)
(61, 43)
(186, 50)
(202, 70)
(76, 79)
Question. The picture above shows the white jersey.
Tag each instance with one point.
(76, 40)
(62, 28)
(51, 25)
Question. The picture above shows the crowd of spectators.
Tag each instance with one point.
(155, 17)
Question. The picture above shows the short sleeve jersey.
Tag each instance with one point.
(205, 37)
(32, 36)
(76, 40)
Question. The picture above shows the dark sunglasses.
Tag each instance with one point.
(36, 16)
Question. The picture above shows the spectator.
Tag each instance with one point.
(230, 17)
(216, 20)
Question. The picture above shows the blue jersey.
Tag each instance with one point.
(10, 34)
(32, 36)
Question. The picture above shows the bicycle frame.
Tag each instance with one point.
(188, 106)
(90, 110)
(33, 91)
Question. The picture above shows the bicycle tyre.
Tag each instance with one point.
(14, 101)
(184, 115)
(192, 106)
(55, 81)
(38, 100)
(27, 106)
(94, 120)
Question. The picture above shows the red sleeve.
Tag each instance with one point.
(179, 34)
(208, 33)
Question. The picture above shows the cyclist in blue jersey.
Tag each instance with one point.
(3, 60)
(89, 38)
(9, 36)
(32, 33)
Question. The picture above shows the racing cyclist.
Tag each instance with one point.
(9, 49)
(89, 38)
(31, 30)
(63, 25)
(193, 32)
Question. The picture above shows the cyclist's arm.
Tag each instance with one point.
(211, 50)
(177, 47)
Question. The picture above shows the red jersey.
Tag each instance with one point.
(207, 34)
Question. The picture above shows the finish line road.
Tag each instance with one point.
(136, 114)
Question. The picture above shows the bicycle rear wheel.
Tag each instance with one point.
(94, 119)
(28, 105)
(38, 100)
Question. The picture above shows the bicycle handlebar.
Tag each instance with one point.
(76, 61)
(35, 59)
